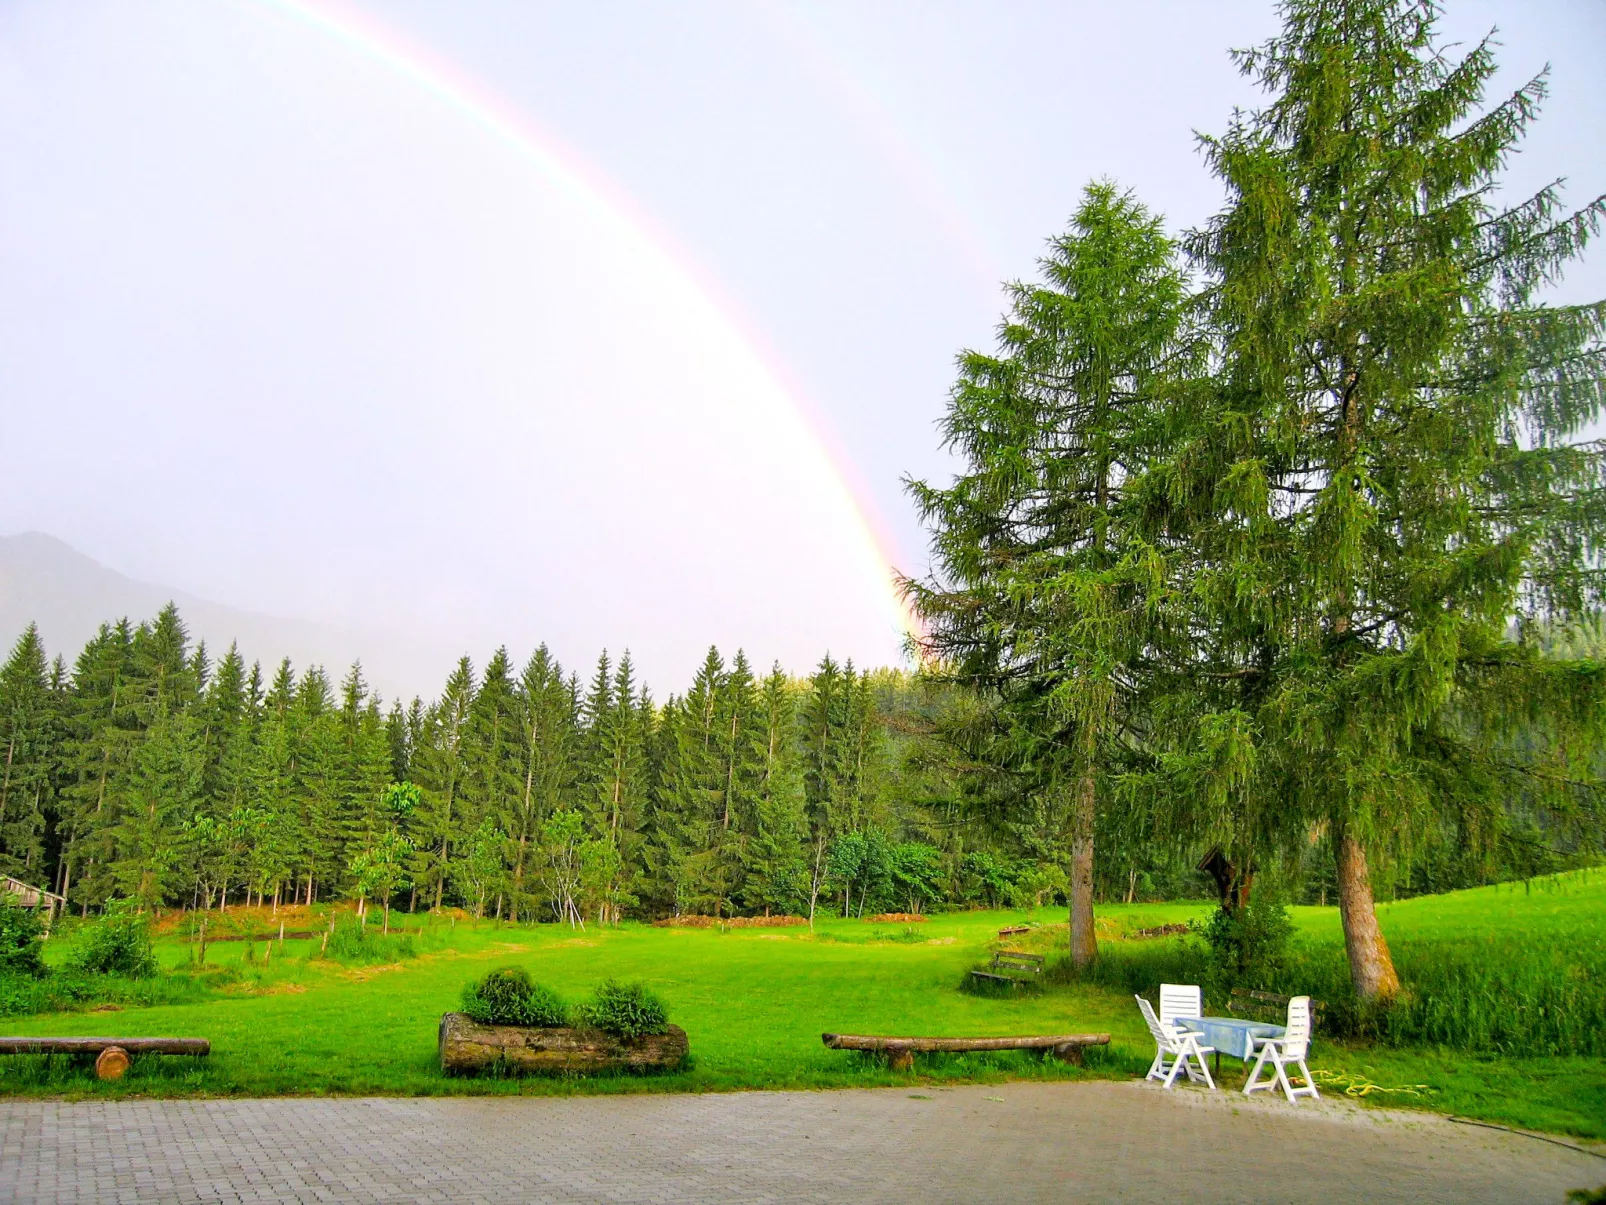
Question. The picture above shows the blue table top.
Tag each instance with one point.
(1230, 1035)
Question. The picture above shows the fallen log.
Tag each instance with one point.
(467, 1047)
(901, 1051)
(75, 1045)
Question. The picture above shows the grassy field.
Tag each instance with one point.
(755, 1001)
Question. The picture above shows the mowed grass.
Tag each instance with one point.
(755, 1001)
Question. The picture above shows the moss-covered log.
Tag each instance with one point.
(468, 1047)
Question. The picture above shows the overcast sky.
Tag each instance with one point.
(603, 324)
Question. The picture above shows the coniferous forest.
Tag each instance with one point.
(151, 771)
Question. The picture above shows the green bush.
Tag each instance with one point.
(20, 933)
(120, 944)
(507, 997)
(1250, 943)
(626, 1010)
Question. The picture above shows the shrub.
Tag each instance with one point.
(626, 1010)
(507, 997)
(20, 932)
(120, 944)
(1249, 943)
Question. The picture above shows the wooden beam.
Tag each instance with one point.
(851, 1041)
(74, 1045)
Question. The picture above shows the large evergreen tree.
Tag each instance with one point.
(1043, 589)
(1387, 486)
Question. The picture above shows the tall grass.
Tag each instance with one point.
(1510, 994)
(74, 990)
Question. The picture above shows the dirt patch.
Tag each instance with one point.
(896, 918)
(364, 974)
(939, 941)
(1158, 931)
(107, 1008)
(575, 941)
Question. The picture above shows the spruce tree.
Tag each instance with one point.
(1041, 592)
(29, 737)
(547, 719)
(1387, 489)
(439, 773)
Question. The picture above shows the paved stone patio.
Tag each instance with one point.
(1091, 1142)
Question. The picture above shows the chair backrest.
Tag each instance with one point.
(1180, 1000)
(1157, 1031)
(1296, 1038)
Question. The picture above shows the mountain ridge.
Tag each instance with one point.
(45, 580)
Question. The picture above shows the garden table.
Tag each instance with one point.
(1230, 1035)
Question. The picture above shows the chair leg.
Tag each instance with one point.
(1310, 1085)
(1157, 1068)
(1251, 1085)
(1179, 1063)
(1209, 1083)
(1282, 1079)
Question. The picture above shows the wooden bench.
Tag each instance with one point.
(114, 1054)
(1268, 1007)
(901, 1052)
(1012, 967)
(1014, 930)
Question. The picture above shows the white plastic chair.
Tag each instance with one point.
(1290, 1049)
(1180, 1000)
(1181, 1044)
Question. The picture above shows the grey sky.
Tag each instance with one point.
(282, 327)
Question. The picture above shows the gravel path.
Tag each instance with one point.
(1091, 1142)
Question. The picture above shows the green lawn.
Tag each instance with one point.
(755, 1001)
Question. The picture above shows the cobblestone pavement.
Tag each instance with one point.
(1090, 1142)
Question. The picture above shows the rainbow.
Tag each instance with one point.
(497, 119)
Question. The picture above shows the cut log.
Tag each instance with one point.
(900, 1052)
(111, 1064)
(75, 1045)
(467, 1047)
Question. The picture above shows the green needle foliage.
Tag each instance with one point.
(1043, 593)
(1277, 565)
(1384, 494)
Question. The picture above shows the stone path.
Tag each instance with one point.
(1091, 1142)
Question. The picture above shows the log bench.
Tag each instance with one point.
(1014, 930)
(113, 1054)
(901, 1052)
(1012, 967)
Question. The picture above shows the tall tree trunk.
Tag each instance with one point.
(1370, 966)
(1084, 945)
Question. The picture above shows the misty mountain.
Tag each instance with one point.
(69, 595)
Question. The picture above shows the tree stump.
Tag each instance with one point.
(467, 1047)
(112, 1063)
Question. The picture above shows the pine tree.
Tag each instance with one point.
(548, 721)
(439, 773)
(776, 872)
(1387, 478)
(28, 741)
(155, 803)
(1041, 598)
(102, 730)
